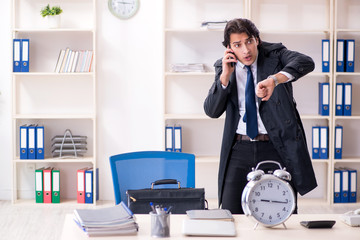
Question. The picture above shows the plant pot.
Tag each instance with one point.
(53, 21)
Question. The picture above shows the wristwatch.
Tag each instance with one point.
(275, 79)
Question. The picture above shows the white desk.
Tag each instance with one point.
(244, 228)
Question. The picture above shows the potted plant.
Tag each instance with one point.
(53, 15)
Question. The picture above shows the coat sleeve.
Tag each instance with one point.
(295, 63)
(216, 100)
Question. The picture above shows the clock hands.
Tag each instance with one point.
(123, 2)
(273, 201)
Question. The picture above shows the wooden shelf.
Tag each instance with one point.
(56, 160)
(54, 116)
(76, 74)
(47, 30)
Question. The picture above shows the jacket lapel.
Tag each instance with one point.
(265, 67)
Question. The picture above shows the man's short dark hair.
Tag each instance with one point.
(240, 25)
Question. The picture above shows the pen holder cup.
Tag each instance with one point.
(160, 225)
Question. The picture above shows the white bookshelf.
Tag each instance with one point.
(347, 27)
(184, 93)
(58, 101)
(300, 26)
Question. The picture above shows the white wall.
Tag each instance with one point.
(129, 89)
(5, 101)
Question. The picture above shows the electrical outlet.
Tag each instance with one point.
(30, 166)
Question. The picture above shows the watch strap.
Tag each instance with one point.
(275, 79)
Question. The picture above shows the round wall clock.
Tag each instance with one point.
(268, 198)
(123, 9)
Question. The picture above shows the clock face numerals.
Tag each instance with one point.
(123, 8)
(271, 201)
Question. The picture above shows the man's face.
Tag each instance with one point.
(244, 47)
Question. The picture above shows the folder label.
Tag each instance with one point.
(339, 111)
(340, 51)
(38, 186)
(325, 55)
(25, 55)
(17, 55)
(31, 145)
(350, 52)
(325, 94)
(81, 184)
(347, 99)
(169, 138)
(55, 186)
(340, 66)
(88, 180)
(89, 186)
(338, 142)
(47, 185)
(323, 142)
(353, 180)
(345, 186)
(315, 143)
(337, 186)
(39, 142)
(324, 100)
(23, 142)
(56, 181)
(177, 139)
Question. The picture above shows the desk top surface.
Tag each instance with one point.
(244, 228)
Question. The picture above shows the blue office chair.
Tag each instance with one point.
(137, 170)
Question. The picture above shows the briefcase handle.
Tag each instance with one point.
(165, 181)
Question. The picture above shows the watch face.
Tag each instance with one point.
(270, 200)
(123, 8)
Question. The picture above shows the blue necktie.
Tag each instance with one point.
(250, 116)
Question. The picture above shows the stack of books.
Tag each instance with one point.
(70, 61)
(187, 67)
(111, 221)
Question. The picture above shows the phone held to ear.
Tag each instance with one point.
(232, 64)
(351, 218)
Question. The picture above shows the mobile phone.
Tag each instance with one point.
(318, 224)
(232, 64)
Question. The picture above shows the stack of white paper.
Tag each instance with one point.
(111, 221)
(188, 67)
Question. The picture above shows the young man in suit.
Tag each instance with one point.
(253, 86)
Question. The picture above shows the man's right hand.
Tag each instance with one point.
(227, 69)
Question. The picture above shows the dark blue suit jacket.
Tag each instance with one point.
(279, 114)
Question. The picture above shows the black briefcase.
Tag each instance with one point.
(179, 199)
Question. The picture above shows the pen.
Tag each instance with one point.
(152, 206)
(158, 209)
(168, 211)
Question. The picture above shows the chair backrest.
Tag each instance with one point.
(137, 170)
